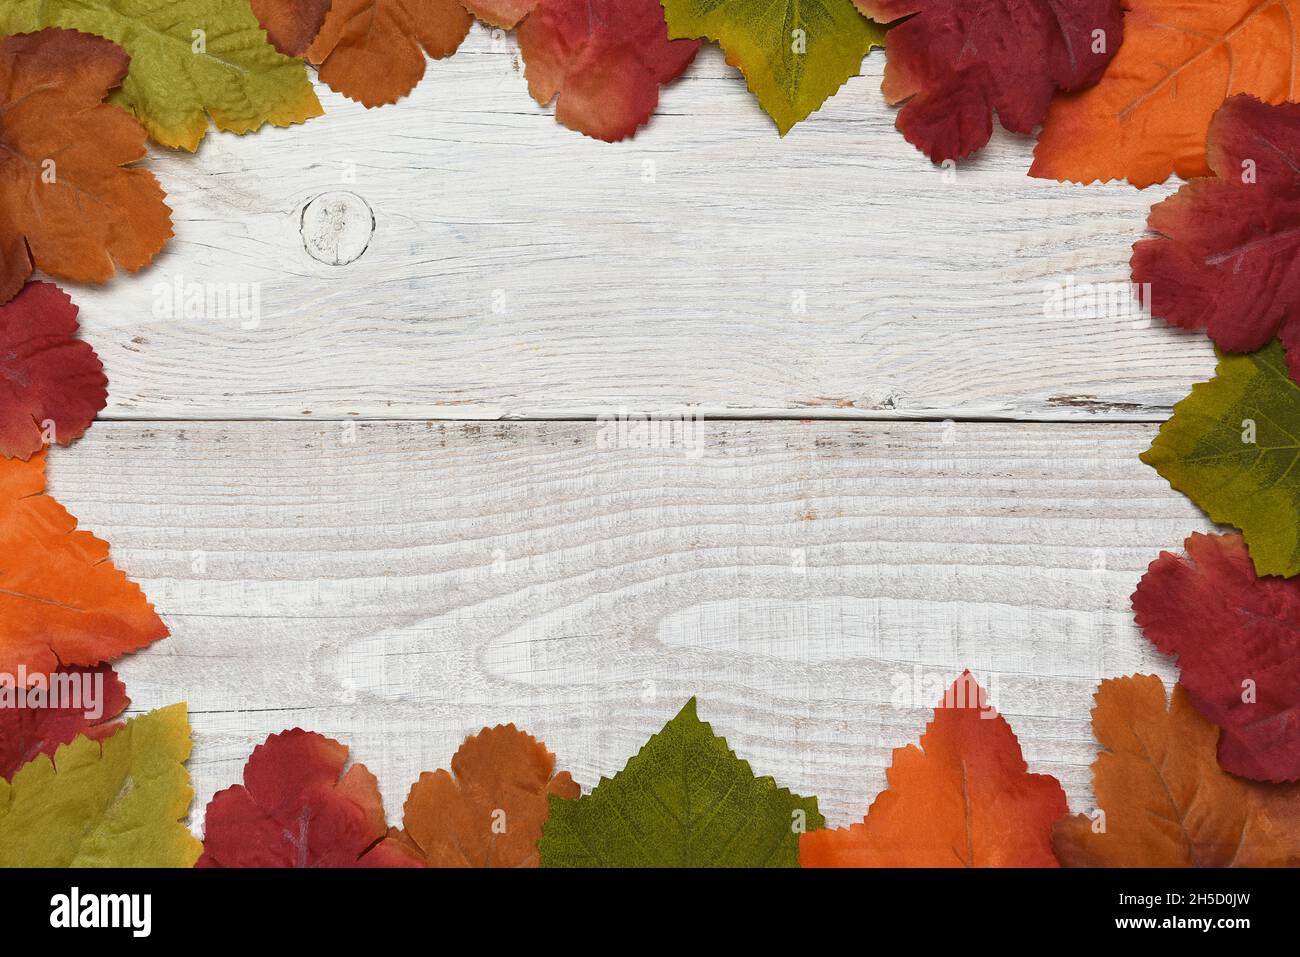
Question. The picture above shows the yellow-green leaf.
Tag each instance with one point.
(1233, 448)
(190, 59)
(115, 803)
(794, 54)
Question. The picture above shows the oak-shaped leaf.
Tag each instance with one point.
(52, 384)
(964, 798)
(953, 64)
(1228, 256)
(297, 807)
(1163, 800)
(1148, 115)
(120, 802)
(190, 60)
(602, 61)
(1232, 448)
(684, 800)
(794, 54)
(489, 810)
(37, 717)
(373, 51)
(1237, 640)
(61, 600)
(71, 203)
(291, 25)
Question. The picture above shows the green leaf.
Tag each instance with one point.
(685, 800)
(794, 54)
(115, 803)
(1233, 448)
(178, 77)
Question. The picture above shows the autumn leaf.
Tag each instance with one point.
(190, 59)
(685, 800)
(964, 798)
(1228, 260)
(1237, 640)
(1163, 800)
(373, 51)
(1149, 114)
(297, 807)
(70, 203)
(291, 25)
(1229, 447)
(489, 811)
(55, 710)
(115, 803)
(61, 600)
(602, 61)
(51, 383)
(794, 55)
(953, 64)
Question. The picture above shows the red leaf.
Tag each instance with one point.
(28, 731)
(955, 63)
(1229, 257)
(296, 808)
(1228, 627)
(604, 59)
(46, 374)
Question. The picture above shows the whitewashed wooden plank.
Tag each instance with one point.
(400, 584)
(655, 274)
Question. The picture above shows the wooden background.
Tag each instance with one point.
(386, 512)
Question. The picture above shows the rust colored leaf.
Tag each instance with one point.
(61, 600)
(1163, 800)
(373, 51)
(61, 713)
(964, 798)
(291, 25)
(52, 385)
(70, 203)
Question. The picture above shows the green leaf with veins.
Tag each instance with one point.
(1233, 448)
(685, 800)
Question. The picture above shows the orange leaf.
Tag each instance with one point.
(372, 51)
(1180, 60)
(61, 599)
(1165, 801)
(962, 799)
(70, 204)
(291, 25)
(489, 811)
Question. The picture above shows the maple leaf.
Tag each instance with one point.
(115, 803)
(61, 599)
(46, 375)
(1230, 448)
(372, 51)
(1237, 640)
(296, 808)
(34, 729)
(1163, 799)
(190, 59)
(685, 800)
(291, 25)
(1229, 257)
(602, 61)
(69, 201)
(489, 811)
(1181, 59)
(953, 64)
(794, 55)
(964, 798)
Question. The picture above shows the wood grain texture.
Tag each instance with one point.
(399, 585)
(520, 270)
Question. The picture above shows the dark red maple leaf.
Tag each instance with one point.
(1237, 640)
(1228, 260)
(52, 384)
(30, 730)
(954, 64)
